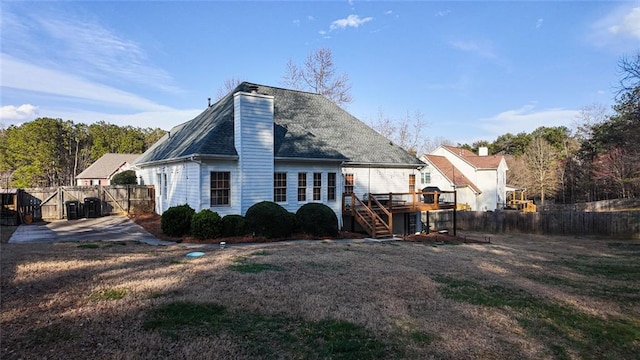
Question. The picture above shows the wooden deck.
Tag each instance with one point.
(374, 212)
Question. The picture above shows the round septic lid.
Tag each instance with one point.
(195, 254)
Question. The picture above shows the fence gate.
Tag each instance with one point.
(49, 203)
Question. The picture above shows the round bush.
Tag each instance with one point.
(176, 221)
(124, 178)
(233, 225)
(317, 219)
(206, 224)
(269, 219)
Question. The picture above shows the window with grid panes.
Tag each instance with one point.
(302, 186)
(331, 186)
(317, 186)
(220, 187)
(280, 187)
(348, 183)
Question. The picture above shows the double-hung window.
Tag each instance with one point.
(280, 187)
(348, 183)
(317, 186)
(331, 186)
(302, 186)
(220, 187)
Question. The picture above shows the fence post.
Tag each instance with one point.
(128, 199)
(60, 203)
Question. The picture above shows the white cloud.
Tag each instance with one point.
(20, 75)
(18, 113)
(296, 22)
(388, 12)
(527, 119)
(442, 13)
(83, 47)
(483, 49)
(629, 24)
(620, 29)
(153, 119)
(310, 18)
(539, 23)
(350, 21)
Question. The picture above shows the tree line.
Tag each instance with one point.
(599, 159)
(51, 152)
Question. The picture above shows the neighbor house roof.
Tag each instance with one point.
(450, 172)
(306, 126)
(479, 162)
(106, 166)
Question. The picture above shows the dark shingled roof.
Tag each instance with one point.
(307, 126)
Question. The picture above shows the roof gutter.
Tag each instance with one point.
(280, 158)
(192, 157)
(383, 165)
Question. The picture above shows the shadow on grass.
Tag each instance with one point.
(270, 336)
(564, 329)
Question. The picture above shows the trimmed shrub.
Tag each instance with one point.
(124, 178)
(206, 224)
(176, 221)
(317, 219)
(233, 225)
(269, 219)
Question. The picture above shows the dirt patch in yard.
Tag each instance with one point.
(445, 238)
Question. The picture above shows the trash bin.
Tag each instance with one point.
(73, 209)
(92, 207)
(428, 198)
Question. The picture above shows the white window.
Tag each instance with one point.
(280, 187)
(425, 178)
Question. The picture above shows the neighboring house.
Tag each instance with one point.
(102, 170)
(440, 173)
(266, 143)
(480, 180)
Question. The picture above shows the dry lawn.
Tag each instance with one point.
(519, 297)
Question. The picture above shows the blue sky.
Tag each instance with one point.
(475, 70)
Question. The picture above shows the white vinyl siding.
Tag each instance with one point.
(253, 140)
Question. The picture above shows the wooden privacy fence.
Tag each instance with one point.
(51, 203)
(624, 224)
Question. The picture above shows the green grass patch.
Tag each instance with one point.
(50, 334)
(271, 336)
(254, 268)
(261, 253)
(615, 269)
(569, 330)
(108, 294)
(621, 293)
(625, 246)
(88, 246)
(421, 337)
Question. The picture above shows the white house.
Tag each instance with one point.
(102, 170)
(480, 180)
(266, 143)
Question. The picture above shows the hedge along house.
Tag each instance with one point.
(265, 143)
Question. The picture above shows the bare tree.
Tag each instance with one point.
(589, 116)
(406, 132)
(616, 169)
(431, 144)
(319, 75)
(541, 158)
(629, 67)
(228, 86)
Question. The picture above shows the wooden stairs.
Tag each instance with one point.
(372, 219)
